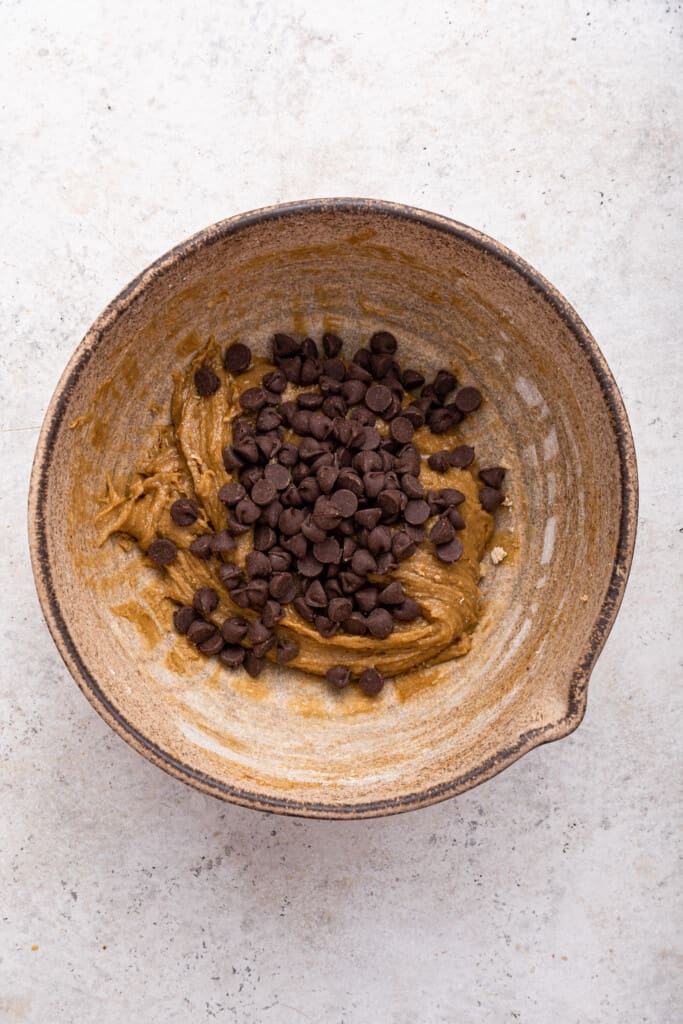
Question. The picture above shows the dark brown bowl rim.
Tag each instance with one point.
(602, 624)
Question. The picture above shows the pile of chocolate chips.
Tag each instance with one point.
(334, 503)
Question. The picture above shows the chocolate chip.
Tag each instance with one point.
(295, 544)
(382, 342)
(335, 407)
(200, 631)
(356, 624)
(416, 512)
(234, 629)
(353, 391)
(468, 399)
(253, 399)
(455, 518)
(288, 455)
(284, 345)
(325, 626)
(379, 540)
(257, 564)
(450, 552)
(493, 477)
(411, 379)
(286, 651)
(234, 528)
(392, 594)
(327, 551)
(263, 492)
(237, 358)
(291, 369)
(279, 559)
(416, 533)
(391, 502)
(339, 609)
(439, 461)
(214, 645)
(309, 566)
(231, 493)
(368, 517)
(374, 483)
(402, 545)
(230, 575)
(363, 562)
(415, 415)
(275, 381)
(332, 345)
(231, 460)
(442, 532)
(222, 543)
(490, 499)
(408, 461)
(232, 656)
(270, 515)
(367, 462)
(381, 364)
(350, 582)
(290, 521)
(184, 511)
(338, 676)
(246, 512)
(163, 552)
(440, 420)
(183, 618)
(264, 537)
(366, 598)
(310, 371)
(408, 611)
(240, 596)
(282, 586)
(386, 563)
(402, 429)
(451, 496)
(320, 425)
(393, 409)
(462, 456)
(206, 382)
(411, 486)
(257, 632)
(327, 478)
(371, 682)
(326, 516)
(253, 664)
(250, 475)
(309, 348)
(345, 501)
(378, 398)
(205, 600)
(309, 490)
(316, 596)
(272, 613)
(257, 592)
(444, 383)
(246, 449)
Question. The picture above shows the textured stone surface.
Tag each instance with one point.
(550, 892)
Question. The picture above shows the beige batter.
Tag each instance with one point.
(185, 461)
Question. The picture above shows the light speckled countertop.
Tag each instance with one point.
(549, 893)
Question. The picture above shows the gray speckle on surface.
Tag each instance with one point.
(548, 894)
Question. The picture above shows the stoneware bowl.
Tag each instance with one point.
(553, 416)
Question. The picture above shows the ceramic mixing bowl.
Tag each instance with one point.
(553, 416)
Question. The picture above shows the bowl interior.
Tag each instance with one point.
(284, 741)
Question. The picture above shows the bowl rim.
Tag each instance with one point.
(602, 624)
